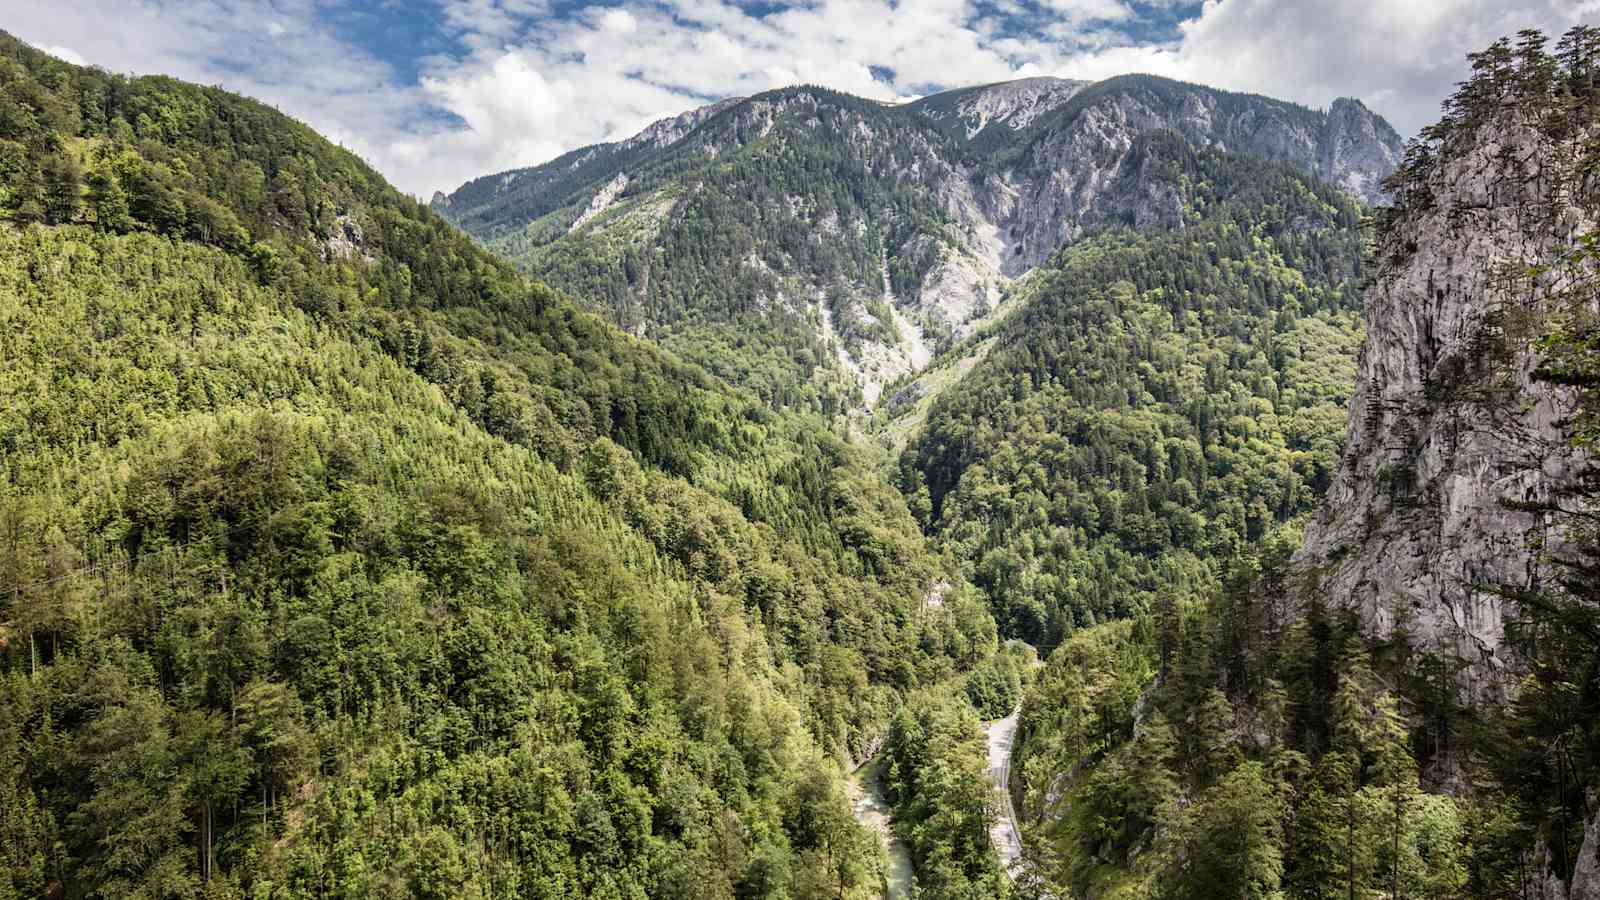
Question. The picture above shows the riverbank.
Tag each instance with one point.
(872, 809)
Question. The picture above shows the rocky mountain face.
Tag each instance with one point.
(996, 110)
(880, 234)
(482, 205)
(1457, 450)
(1080, 168)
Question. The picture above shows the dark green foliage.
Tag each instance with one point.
(336, 558)
(1298, 752)
(995, 688)
(1213, 794)
(937, 779)
(1099, 804)
(1163, 401)
(1554, 93)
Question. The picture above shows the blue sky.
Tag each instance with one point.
(434, 92)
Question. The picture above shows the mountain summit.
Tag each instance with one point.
(867, 238)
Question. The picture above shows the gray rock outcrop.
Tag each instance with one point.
(994, 180)
(1453, 442)
(1072, 177)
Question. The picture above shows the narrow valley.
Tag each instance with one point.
(793, 467)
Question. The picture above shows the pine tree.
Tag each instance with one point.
(108, 202)
(62, 189)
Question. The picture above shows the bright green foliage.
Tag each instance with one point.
(338, 559)
(937, 780)
(1162, 401)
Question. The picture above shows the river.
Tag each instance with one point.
(872, 810)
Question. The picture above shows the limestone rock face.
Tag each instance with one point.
(1450, 434)
(668, 131)
(970, 190)
(1356, 150)
(602, 200)
(1008, 106)
(346, 239)
(1586, 875)
(1075, 174)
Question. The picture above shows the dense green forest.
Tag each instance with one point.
(1160, 403)
(340, 560)
(937, 780)
(1199, 750)
(710, 266)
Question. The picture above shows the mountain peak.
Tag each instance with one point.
(1358, 146)
(1012, 104)
(668, 131)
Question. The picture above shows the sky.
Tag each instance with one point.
(435, 92)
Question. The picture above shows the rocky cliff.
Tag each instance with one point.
(895, 230)
(1071, 173)
(1456, 448)
(1007, 107)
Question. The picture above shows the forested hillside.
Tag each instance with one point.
(339, 559)
(763, 265)
(818, 247)
(1311, 730)
(1162, 400)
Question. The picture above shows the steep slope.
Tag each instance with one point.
(494, 204)
(338, 557)
(1459, 452)
(789, 215)
(987, 116)
(1063, 179)
(1161, 400)
(808, 244)
(1409, 703)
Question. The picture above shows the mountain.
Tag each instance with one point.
(810, 244)
(1447, 500)
(1405, 701)
(989, 115)
(481, 205)
(339, 557)
(1160, 401)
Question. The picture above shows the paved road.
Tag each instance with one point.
(1004, 834)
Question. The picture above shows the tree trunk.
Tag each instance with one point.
(1394, 865)
(1350, 841)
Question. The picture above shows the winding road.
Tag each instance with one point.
(1003, 832)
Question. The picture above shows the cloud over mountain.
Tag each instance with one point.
(439, 91)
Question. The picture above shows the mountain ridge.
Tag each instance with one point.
(338, 551)
(1011, 109)
(968, 190)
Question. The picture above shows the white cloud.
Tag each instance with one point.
(1401, 58)
(524, 87)
(65, 53)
